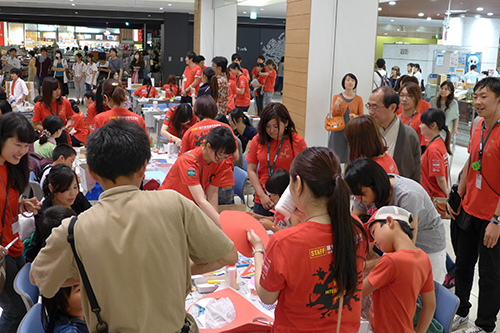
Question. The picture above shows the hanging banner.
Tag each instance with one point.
(2, 34)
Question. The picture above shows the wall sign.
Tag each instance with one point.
(404, 51)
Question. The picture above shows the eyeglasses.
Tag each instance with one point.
(372, 107)
(403, 96)
(220, 158)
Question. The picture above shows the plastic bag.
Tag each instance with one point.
(219, 312)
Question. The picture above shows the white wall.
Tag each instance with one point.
(206, 29)
(225, 32)
(342, 40)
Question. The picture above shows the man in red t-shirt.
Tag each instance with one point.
(475, 233)
(191, 77)
(242, 100)
(236, 57)
(395, 290)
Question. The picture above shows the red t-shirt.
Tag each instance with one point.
(298, 263)
(92, 112)
(414, 122)
(243, 70)
(142, 92)
(387, 162)
(190, 73)
(232, 94)
(254, 71)
(117, 113)
(395, 300)
(82, 130)
(482, 202)
(271, 79)
(171, 90)
(11, 215)
(258, 156)
(242, 99)
(434, 163)
(63, 110)
(171, 129)
(422, 106)
(190, 171)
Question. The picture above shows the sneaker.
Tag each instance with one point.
(474, 329)
(459, 322)
(449, 281)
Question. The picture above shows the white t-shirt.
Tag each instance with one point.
(20, 90)
(14, 62)
(91, 69)
(79, 68)
(377, 80)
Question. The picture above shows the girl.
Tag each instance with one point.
(323, 267)
(32, 67)
(137, 67)
(434, 165)
(349, 105)
(177, 121)
(147, 90)
(372, 186)
(446, 101)
(171, 88)
(394, 76)
(79, 70)
(417, 72)
(199, 173)
(364, 139)
(52, 129)
(273, 148)
(270, 81)
(90, 77)
(16, 136)
(79, 137)
(102, 67)
(115, 97)
(410, 96)
(241, 127)
(242, 99)
(209, 86)
(115, 76)
(59, 67)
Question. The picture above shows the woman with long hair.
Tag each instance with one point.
(410, 96)
(59, 66)
(446, 101)
(91, 76)
(171, 88)
(16, 136)
(316, 267)
(147, 90)
(274, 147)
(137, 67)
(241, 126)
(178, 120)
(210, 85)
(395, 74)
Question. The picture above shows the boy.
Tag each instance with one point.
(155, 246)
(90, 97)
(63, 153)
(191, 77)
(18, 89)
(403, 272)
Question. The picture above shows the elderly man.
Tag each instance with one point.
(402, 140)
(12, 60)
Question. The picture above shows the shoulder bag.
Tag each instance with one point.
(334, 123)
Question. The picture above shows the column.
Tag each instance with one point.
(326, 39)
(174, 44)
(145, 37)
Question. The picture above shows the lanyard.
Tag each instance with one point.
(13, 85)
(476, 166)
(410, 118)
(437, 136)
(269, 169)
(57, 104)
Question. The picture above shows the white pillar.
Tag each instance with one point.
(342, 40)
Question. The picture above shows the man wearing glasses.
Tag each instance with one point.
(402, 141)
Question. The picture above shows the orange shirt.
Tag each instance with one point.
(422, 106)
(232, 94)
(298, 264)
(184, 128)
(11, 215)
(171, 90)
(258, 156)
(117, 113)
(190, 171)
(398, 286)
(142, 92)
(63, 110)
(414, 122)
(82, 130)
(242, 100)
(355, 106)
(243, 70)
(92, 112)
(271, 79)
(387, 162)
(480, 200)
(434, 163)
(190, 74)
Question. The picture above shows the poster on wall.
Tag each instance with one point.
(473, 59)
(439, 62)
(454, 60)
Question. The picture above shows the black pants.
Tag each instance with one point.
(75, 142)
(10, 301)
(467, 233)
(259, 101)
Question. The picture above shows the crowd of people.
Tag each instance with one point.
(366, 206)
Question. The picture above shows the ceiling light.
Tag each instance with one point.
(76, 13)
(477, 16)
(161, 8)
(462, 15)
(262, 9)
(438, 14)
(392, 3)
(244, 12)
(379, 9)
(71, 0)
(127, 24)
(421, 14)
(429, 18)
(490, 14)
(73, 4)
(392, 20)
(170, 5)
(479, 9)
(253, 15)
(149, 15)
(397, 29)
(385, 34)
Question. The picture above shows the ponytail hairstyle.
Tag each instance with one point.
(238, 114)
(209, 72)
(172, 80)
(114, 91)
(99, 97)
(182, 114)
(319, 169)
(450, 97)
(51, 125)
(437, 116)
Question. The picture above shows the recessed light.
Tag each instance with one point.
(149, 15)
(392, 3)
(490, 14)
(244, 12)
(170, 5)
(421, 14)
(385, 34)
(477, 16)
(253, 15)
(479, 9)
(438, 14)
(262, 9)
(379, 9)
(463, 15)
(429, 18)
(76, 13)
(73, 4)
(161, 8)
(127, 24)
(397, 29)
(392, 20)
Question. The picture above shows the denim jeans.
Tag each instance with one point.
(39, 82)
(259, 209)
(226, 195)
(10, 301)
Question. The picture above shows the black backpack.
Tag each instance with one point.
(384, 81)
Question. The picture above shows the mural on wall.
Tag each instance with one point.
(275, 48)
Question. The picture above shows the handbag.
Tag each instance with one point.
(334, 123)
(135, 77)
(440, 204)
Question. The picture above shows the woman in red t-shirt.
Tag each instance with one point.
(147, 90)
(171, 88)
(242, 100)
(410, 96)
(53, 104)
(16, 136)
(317, 265)
(79, 137)
(273, 148)
(177, 121)
(434, 162)
(364, 140)
(270, 81)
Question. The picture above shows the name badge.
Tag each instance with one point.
(15, 228)
(479, 181)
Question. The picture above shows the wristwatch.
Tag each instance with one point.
(495, 219)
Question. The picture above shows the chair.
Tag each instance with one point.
(446, 306)
(240, 177)
(245, 163)
(22, 285)
(37, 190)
(32, 321)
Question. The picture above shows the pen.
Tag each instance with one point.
(215, 281)
(11, 243)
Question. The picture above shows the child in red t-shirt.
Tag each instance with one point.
(147, 90)
(402, 273)
(434, 162)
(171, 88)
(177, 121)
(242, 100)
